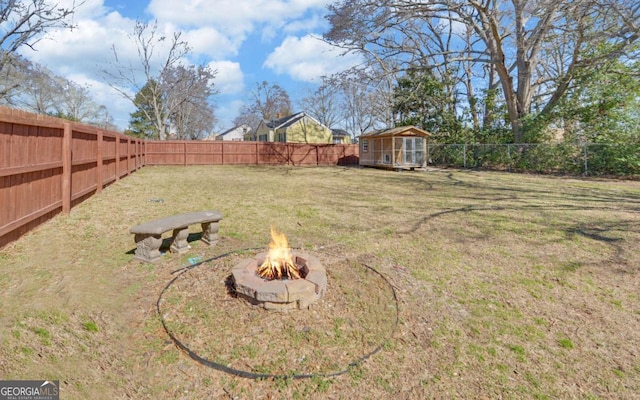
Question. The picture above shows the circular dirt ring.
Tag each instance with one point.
(202, 315)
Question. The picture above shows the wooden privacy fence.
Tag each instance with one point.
(204, 152)
(48, 165)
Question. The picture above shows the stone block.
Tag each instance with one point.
(319, 279)
(313, 263)
(272, 291)
(299, 289)
(245, 265)
(280, 306)
(248, 284)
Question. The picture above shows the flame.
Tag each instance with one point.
(279, 262)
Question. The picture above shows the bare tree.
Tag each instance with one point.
(165, 91)
(43, 92)
(22, 23)
(247, 117)
(38, 87)
(74, 102)
(267, 102)
(365, 99)
(323, 104)
(509, 35)
(194, 117)
(270, 101)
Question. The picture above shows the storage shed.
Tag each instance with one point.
(404, 147)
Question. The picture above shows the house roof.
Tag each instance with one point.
(339, 133)
(410, 130)
(289, 120)
(235, 128)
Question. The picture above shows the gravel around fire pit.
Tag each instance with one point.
(356, 315)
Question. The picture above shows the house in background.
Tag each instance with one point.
(404, 147)
(340, 136)
(234, 134)
(295, 128)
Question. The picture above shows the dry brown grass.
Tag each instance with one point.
(509, 286)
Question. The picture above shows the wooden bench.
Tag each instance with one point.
(148, 236)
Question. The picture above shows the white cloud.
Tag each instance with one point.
(87, 48)
(235, 17)
(83, 10)
(308, 58)
(211, 42)
(229, 12)
(229, 79)
(309, 25)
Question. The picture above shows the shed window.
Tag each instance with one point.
(365, 145)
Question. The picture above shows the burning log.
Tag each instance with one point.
(279, 263)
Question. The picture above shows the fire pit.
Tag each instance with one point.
(282, 279)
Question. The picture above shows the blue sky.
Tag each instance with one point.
(246, 41)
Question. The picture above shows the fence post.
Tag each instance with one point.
(464, 155)
(128, 155)
(136, 151)
(67, 164)
(586, 164)
(99, 163)
(117, 157)
(184, 145)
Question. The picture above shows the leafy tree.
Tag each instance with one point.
(603, 106)
(422, 100)
(141, 122)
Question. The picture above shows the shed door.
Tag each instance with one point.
(414, 150)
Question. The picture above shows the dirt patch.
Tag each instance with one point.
(356, 317)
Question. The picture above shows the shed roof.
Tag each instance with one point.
(410, 130)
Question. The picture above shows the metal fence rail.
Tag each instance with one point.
(587, 158)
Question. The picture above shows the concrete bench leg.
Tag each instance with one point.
(210, 233)
(147, 247)
(180, 244)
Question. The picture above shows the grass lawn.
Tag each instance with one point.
(507, 285)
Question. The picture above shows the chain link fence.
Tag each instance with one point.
(581, 159)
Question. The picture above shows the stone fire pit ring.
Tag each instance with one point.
(285, 294)
(170, 314)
